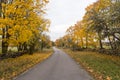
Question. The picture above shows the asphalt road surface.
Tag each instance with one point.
(59, 66)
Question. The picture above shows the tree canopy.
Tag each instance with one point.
(22, 23)
(99, 28)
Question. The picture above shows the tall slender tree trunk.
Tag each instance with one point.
(100, 41)
(5, 34)
(116, 37)
(115, 44)
(32, 48)
(41, 47)
(4, 42)
(82, 44)
(86, 41)
(20, 47)
(110, 43)
(25, 47)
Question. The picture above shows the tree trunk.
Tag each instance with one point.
(110, 43)
(19, 47)
(25, 47)
(100, 41)
(116, 37)
(86, 41)
(5, 34)
(82, 44)
(41, 47)
(115, 44)
(4, 42)
(4, 47)
(31, 49)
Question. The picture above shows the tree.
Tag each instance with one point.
(21, 21)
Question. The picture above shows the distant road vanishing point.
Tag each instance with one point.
(59, 66)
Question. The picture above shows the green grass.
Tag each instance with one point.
(12, 67)
(101, 66)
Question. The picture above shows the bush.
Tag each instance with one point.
(12, 55)
(109, 51)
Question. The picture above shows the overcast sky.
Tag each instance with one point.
(63, 14)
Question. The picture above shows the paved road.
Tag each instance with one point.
(58, 67)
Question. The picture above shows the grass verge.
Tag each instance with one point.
(101, 66)
(12, 67)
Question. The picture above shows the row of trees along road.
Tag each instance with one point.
(100, 28)
(22, 24)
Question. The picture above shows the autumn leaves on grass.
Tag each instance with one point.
(101, 66)
(11, 67)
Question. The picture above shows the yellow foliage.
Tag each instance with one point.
(108, 78)
(22, 21)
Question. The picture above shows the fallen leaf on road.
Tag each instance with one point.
(108, 78)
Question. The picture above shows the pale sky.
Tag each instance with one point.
(63, 14)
